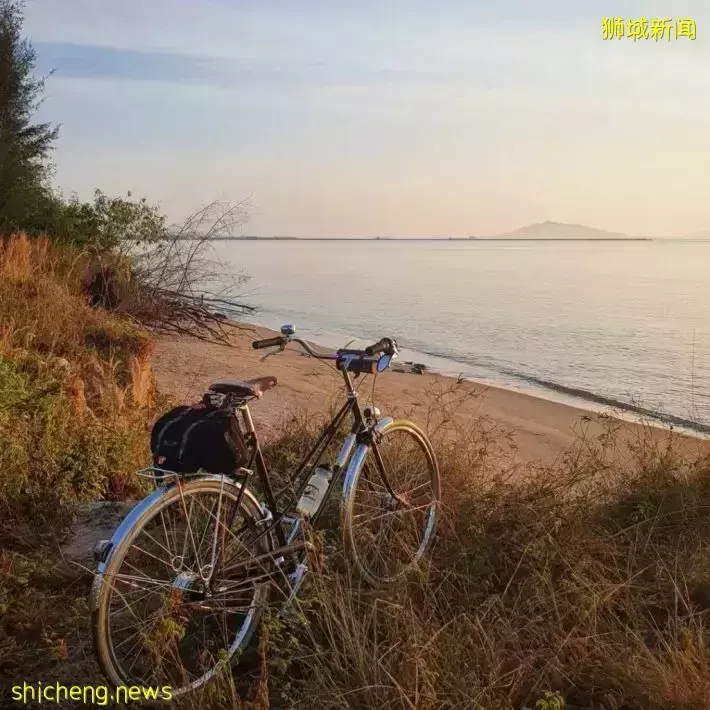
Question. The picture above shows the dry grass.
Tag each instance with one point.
(583, 585)
(42, 308)
(75, 388)
(586, 585)
(75, 398)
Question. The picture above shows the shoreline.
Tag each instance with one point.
(425, 239)
(546, 390)
(538, 430)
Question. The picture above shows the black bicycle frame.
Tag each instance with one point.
(358, 428)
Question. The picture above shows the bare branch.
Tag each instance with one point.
(177, 288)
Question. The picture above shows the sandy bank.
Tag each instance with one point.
(540, 429)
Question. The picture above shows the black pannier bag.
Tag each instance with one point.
(199, 437)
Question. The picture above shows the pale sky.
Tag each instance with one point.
(383, 117)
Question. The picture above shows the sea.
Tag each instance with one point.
(620, 325)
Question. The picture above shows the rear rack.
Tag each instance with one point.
(159, 475)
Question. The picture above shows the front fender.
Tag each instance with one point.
(358, 458)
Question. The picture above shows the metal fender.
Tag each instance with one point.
(358, 457)
(108, 548)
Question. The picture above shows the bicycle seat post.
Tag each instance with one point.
(248, 421)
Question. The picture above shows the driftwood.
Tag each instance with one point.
(409, 367)
(169, 312)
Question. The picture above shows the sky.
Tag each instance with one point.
(382, 117)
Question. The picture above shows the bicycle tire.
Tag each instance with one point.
(363, 494)
(102, 594)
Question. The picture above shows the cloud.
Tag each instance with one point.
(89, 61)
(382, 105)
(94, 62)
(86, 61)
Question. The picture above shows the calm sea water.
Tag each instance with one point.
(606, 322)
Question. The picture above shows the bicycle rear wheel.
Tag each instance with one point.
(390, 511)
(184, 589)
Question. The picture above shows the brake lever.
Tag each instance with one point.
(278, 350)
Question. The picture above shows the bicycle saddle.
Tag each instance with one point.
(245, 388)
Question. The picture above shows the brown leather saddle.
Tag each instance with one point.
(245, 388)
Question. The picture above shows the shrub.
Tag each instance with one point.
(109, 223)
(76, 393)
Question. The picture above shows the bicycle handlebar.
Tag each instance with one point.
(313, 353)
(268, 342)
(282, 340)
(384, 345)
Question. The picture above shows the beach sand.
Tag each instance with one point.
(540, 430)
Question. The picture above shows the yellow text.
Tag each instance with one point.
(87, 694)
(655, 28)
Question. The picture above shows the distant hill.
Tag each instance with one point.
(560, 230)
(705, 234)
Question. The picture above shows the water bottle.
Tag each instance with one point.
(316, 488)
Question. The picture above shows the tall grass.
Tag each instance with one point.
(75, 389)
(581, 585)
(584, 585)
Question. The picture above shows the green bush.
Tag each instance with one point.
(108, 223)
(49, 455)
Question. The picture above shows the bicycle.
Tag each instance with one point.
(201, 556)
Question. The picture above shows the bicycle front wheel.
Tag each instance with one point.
(184, 589)
(390, 511)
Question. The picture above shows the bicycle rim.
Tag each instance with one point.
(386, 535)
(164, 616)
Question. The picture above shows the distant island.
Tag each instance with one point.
(561, 230)
(540, 231)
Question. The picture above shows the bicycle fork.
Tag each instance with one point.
(350, 459)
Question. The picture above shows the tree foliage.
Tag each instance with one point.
(110, 223)
(156, 274)
(25, 198)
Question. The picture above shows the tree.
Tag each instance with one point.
(25, 198)
(110, 223)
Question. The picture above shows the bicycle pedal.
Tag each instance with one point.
(295, 580)
(291, 527)
(101, 550)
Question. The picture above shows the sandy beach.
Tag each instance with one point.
(541, 430)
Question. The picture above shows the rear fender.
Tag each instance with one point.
(137, 513)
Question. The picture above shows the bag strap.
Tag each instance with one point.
(170, 423)
(202, 420)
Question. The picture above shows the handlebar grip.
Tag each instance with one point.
(383, 345)
(267, 343)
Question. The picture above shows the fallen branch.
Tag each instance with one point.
(170, 284)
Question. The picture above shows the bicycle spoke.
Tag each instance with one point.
(137, 582)
(391, 514)
(155, 557)
(174, 616)
(390, 505)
